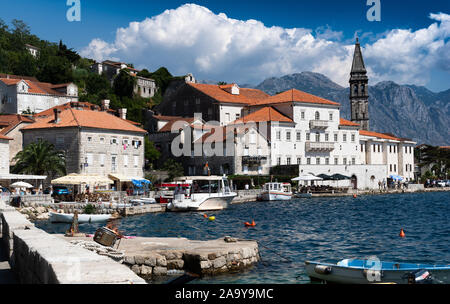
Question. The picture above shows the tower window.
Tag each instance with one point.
(317, 116)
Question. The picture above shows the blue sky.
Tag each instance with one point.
(331, 23)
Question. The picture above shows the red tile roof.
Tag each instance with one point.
(294, 96)
(378, 135)
(5, 137)
(168, 126)
(219, 93)
(71, 117)
(72, 104)
(264, 114)
(35, 87)
(345, 122)
(10, 121)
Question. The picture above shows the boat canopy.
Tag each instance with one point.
(208, 178)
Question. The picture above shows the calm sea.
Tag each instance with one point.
(317, 229)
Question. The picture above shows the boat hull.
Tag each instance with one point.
(275, 196)
(82, 218)
(208, 204)
(303, 195)
(360, 275)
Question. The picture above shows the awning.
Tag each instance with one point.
(78, 179)
(124, 178)
(22, 176)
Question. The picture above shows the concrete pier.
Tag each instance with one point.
(152, 257)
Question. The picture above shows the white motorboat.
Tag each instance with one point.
(276, 192)
(82, 218)
(201, 193)
(143, 201)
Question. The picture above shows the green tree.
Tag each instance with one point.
(40, 158)
(173, 168)
(151, 154)
(124, 84)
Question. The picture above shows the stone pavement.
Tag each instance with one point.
(6, 274)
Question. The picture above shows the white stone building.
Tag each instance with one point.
(20, 95)
(95, 142)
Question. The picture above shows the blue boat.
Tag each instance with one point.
(351, 271)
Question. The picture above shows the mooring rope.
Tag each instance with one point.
(100, 250)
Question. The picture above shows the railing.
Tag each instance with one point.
(319, 146)
(318, 124)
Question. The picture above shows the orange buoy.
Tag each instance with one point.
(253, 224)
(402, 233)
(205, 216)
(355, 196)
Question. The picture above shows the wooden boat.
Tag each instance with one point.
(377, 272)
(276, 192)
(82, 218)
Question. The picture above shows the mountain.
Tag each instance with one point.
(407, 111)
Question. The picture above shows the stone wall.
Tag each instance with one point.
(40, 258)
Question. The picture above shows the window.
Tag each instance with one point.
(125, 161)
(390, 167)
(288, 136)
(102, 160)
(362, 148)
(353, 161)
(374, 148)
(246, 151)
(336, 161)
(345, 161)
(89, 158)
(308, 161)
(114, 141)
(299, 136)
(227, 117)
(299, 161)
(238, 116)
(317, 115)
(288, 161)
(278, 161)
(278, 135)
(245, 169)
(331, 116)
(344, 137)
(327, 161)
(379, 148)
(303, 114)
(102, 140)
(317, 137)
(318, 161)
(326, 137)
(395, 168)
(197, 101)
(335, 137)
(89, 138)
(308, 137)
(136, 161)
(353, 137)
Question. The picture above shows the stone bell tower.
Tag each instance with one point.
(359, 90)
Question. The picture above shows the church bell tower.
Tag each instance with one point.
(359, 90)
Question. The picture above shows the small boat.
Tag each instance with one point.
(143, 201)
(201, 193)
(276, 192)
(303, 195)
(377, 272)
(82, 218)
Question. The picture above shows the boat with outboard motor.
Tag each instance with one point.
(201, 193)
(276, 192)
(55, 217)
(374, 271)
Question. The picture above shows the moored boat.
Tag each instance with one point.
(201, 193)
(55, 217)
(276, 192)
(303, 195)
(377, 272)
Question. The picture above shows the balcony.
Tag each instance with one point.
(319, 146)
(318, 124)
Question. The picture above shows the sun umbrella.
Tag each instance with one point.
(338, 176)
(324, 176)
(21, 185)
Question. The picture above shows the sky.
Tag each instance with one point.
(248, 41)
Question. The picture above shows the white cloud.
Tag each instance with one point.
(193, 39)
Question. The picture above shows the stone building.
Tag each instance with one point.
(10, 126)
(94, 141)
(34, 51)
(20, 95)
(144, 87)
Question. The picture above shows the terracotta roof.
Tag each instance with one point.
(444, 147)
(87, 105)
(219, 93)
(166, 118)
(5, 137)
(294, 96)
(221, 134)
(70, 117)
(168, 126)
(36, 87)
(264, 114)
(345, 122)
(378, 135)
(10, 121)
